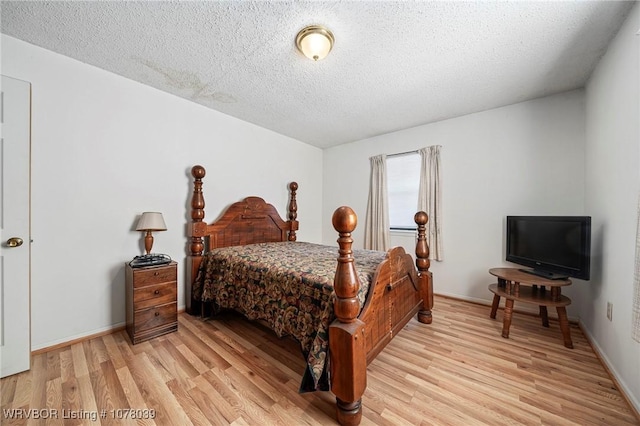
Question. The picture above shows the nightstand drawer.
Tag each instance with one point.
(154, 295)
(155, 317)
(149, 276)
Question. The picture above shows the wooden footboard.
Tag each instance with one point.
(397, 293)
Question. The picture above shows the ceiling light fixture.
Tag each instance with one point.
(315, 42)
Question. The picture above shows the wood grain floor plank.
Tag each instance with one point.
(487, 399)
(22, 394)
(8, 390)
(188, 355)
(38, 384)
(143, 388)
(166, 405)
(71, 401)
(91, 358)
(53, 400)
(88, 403)
(181, 361)
(114, 387)
(197, 342)
(227, 370)
(78, 356)
(248, 401)
(124, 344)
(190, 407)
(132, 393)
(53, 364)
(66, 364)
(113, 351)
(101, 394)
(95, 353)
(172, 366)
(217, 407)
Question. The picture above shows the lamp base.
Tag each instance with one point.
(148, 242)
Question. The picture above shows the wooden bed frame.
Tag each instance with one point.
(398, 291)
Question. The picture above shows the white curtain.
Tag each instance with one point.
(376, 231)
(430, 198)
(635, 326)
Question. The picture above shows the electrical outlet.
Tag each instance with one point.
(610, 311)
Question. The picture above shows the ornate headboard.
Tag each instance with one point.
(249, 221)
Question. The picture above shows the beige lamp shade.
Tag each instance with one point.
(315, 42)
(151, 221)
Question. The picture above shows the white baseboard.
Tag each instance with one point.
(612, 370)
(44, 347)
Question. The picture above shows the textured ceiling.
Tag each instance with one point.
(395, 64)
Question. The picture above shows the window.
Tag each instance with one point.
(403, 180)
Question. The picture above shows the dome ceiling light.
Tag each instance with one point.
(315, 42)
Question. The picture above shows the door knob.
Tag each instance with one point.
(14, 242)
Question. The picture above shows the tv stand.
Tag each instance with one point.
(522, 286)
(544, 274)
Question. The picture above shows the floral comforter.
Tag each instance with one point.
(287, 284)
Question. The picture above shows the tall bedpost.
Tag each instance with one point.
(423, 263)
(196, 233)
(346, 333)
(293, 211)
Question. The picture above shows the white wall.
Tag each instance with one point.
(526, 158)
(612, 165)
(105, 149)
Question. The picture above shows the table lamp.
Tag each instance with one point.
(150, 221)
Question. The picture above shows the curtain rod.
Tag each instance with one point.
(415, 151)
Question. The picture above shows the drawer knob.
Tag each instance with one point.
(156, 273)
(156, 292)
(157, 313)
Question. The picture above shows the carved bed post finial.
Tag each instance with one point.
(423, 263)
(346, 333)
(293, 211)
(345, 285)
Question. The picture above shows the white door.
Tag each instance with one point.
(15, 149)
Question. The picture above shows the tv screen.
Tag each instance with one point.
(554, 246)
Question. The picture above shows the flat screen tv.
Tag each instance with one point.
(556, 247)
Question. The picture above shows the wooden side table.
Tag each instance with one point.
(516, 285)
(151, 301)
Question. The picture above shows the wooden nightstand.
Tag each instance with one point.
(151, 301)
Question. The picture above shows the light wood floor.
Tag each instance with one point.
(456, 371)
